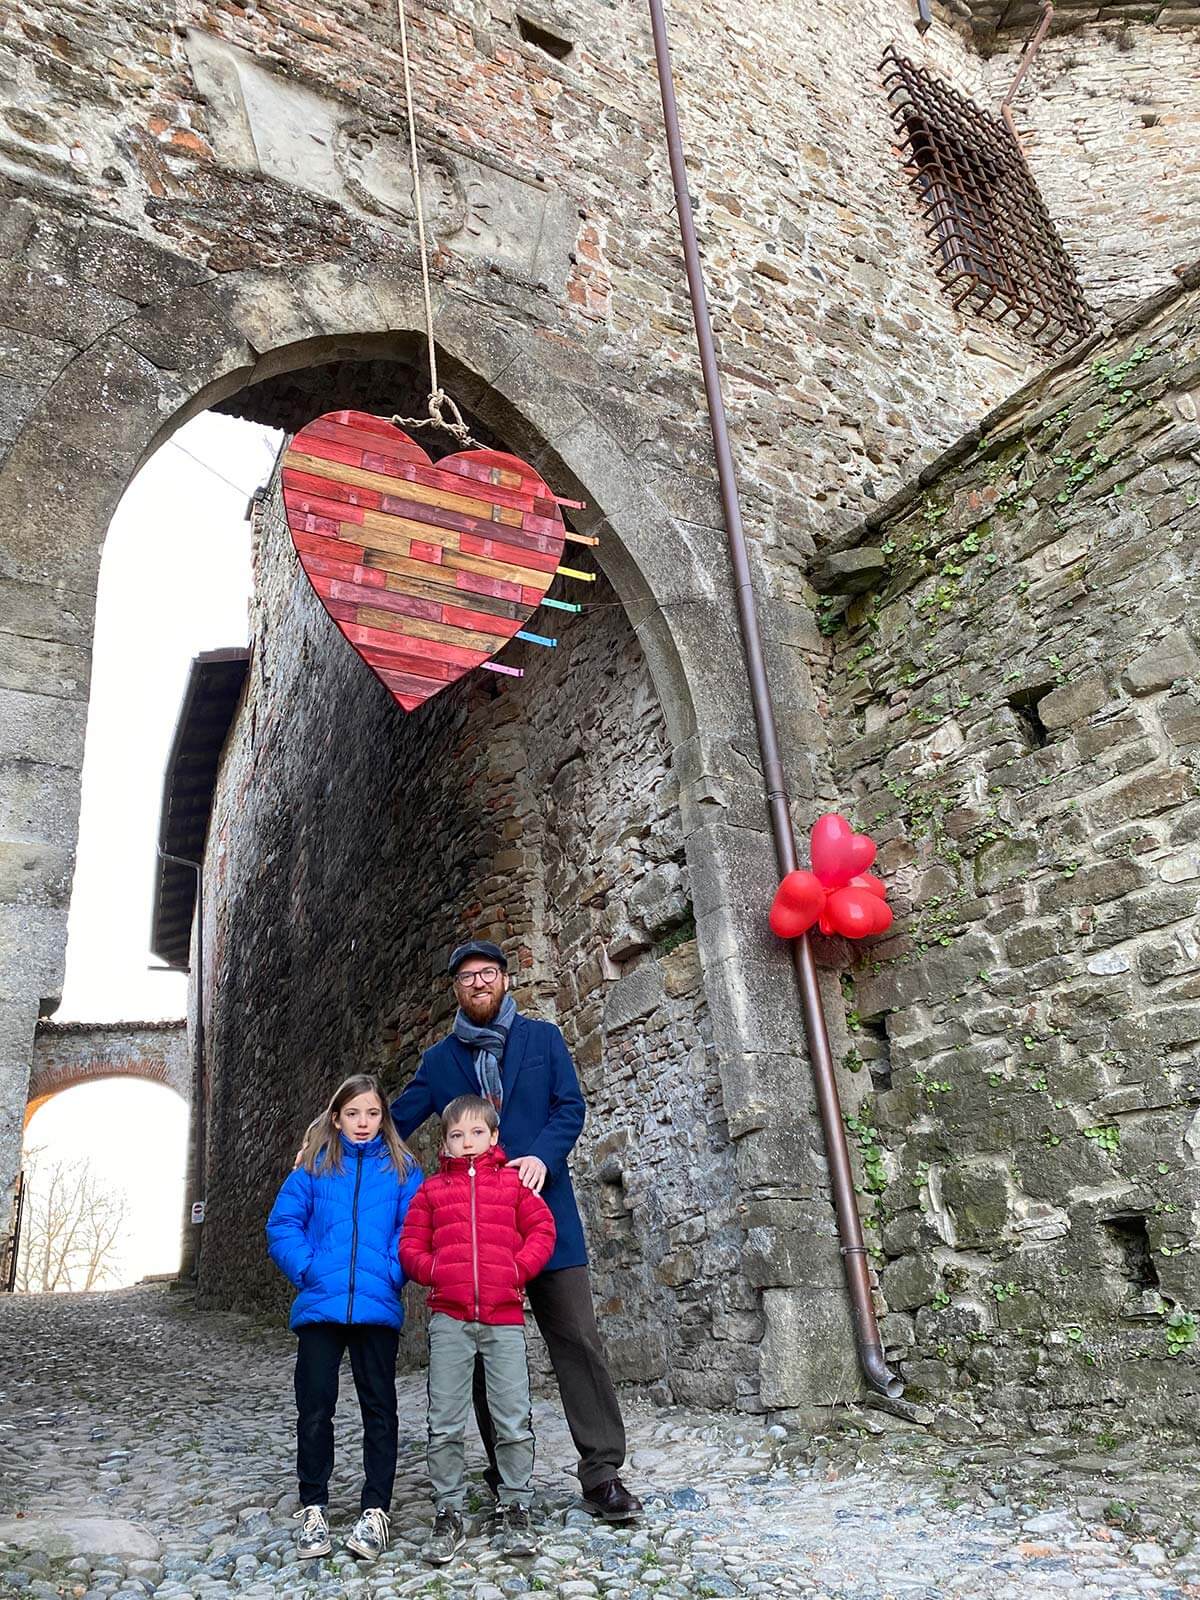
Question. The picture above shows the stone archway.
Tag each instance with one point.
(663, 551)
(67, 1054)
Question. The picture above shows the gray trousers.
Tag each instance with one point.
(453, 1346)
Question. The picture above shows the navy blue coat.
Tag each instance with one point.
(542, 1113)
(336, 1236)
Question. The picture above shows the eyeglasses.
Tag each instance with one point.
(484, 975)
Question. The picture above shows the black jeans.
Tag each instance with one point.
(373, 1364)
(561, 1303)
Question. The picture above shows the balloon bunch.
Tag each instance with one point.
(840, 894)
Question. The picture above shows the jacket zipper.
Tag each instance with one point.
(354, 1237)
(474, 1239)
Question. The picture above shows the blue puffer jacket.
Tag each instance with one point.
(336, 1236)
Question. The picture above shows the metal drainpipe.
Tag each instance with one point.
(853, 1246)
(1031, 49)
(200, 1101)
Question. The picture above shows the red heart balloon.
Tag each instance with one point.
(798, 903)
(869, 882)
(427, 569)
(855, 914)
(838, 853)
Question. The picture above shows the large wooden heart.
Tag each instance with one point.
(428, 569)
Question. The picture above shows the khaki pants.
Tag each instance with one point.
(453, 1347)
(561, 1302)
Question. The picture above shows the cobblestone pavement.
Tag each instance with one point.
(135, 1413)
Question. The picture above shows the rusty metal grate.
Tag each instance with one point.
(997, 250)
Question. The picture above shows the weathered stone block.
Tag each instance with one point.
(850, 571)
(634, 996)
(1003, 862)
(910, 1282)
(978, 1201)
(1147, 795)
(1158, 668)
(807, 1349)
(1073, 702)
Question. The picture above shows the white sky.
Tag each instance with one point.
(174, 580)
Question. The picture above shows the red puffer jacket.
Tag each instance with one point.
(476, 1235)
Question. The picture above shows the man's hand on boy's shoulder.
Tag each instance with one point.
(531, 1171)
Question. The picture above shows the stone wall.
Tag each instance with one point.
(1110, 116)
(196, 199)
(353, 846)
(1019, 693)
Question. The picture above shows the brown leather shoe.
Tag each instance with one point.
(612, 1501)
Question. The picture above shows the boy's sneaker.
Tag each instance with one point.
(370, 1535)
(514, 1532)
(445, 1538)
(313, 1538)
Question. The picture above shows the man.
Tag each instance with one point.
(524, 1069)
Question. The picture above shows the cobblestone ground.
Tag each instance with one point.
(130, 1409)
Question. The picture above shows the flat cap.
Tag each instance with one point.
(481, 948)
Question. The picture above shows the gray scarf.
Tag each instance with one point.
(487, 1042)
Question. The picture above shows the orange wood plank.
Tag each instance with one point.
(462, 562)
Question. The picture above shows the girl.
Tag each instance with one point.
(334, 1232)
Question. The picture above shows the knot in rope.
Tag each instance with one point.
(437, 418)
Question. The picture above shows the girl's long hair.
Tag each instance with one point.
(322, 1148)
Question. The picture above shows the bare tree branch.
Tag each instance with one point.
(71, 1228)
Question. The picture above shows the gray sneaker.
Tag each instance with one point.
(445, 1539)
(514, 1532)
(370, 1535)
(313, 1538)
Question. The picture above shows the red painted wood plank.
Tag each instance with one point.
(410, 683)
(400, 661)
(351, 434)
(314, 544)
(481, 621)
(383, 599)
(309, 497)
(330, 488)
(314, 444)
(368, 422)
(305, 525)
(498, 588)
(427, 649)
(472, 545)
(346, 572)
(542, 526)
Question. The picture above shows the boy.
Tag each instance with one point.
(476, 1235)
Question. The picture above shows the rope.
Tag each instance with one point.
(439, 400)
